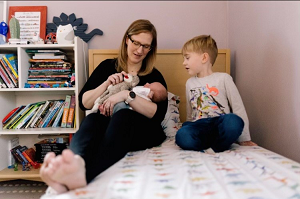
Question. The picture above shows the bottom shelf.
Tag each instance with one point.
(10, 174)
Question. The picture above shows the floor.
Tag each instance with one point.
(22, 189)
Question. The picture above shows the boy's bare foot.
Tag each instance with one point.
(247, 143)
(45, 175)
(68, 169)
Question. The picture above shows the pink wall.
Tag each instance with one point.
(176, 21)
(264, 38)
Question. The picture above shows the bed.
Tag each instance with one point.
(166, 171)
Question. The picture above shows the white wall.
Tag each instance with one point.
(264, 38)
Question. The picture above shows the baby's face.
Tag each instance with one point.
(154, 88)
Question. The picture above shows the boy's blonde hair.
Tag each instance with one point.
(202, 44)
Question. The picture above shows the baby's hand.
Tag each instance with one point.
(247, 143)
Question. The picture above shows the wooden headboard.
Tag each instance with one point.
(169, 63)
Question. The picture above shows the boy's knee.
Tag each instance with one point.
(235, 124)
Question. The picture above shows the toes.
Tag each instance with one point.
(68, 155)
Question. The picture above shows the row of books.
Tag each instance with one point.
(49, 67)
(8, 71)
(50, 113)
(23, 155)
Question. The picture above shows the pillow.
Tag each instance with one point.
(171, 122)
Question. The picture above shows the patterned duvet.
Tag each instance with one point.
(168, 172)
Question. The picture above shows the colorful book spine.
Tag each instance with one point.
(11, 61)
(33, 124)
(2, 83)
(27, 116)
(15, 154)
(33, 117)
(44, 115)
(57, 120)
(66, 111)
(51, 114)
(11, 114)
(71, 112)
(5, 77)
(21, 118)
(15, 118)
(9, 73)
(21, 155)
(28, 158)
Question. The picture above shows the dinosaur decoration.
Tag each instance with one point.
(77, 24)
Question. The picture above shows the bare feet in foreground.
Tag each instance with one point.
(64, 172)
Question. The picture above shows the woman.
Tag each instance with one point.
(103, 140)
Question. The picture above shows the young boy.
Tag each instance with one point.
(216, 116)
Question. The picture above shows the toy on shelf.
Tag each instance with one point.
(3, 32)
(14, 29)
(51, 38)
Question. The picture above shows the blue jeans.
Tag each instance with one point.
(217, 133)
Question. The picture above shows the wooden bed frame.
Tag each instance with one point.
(169, 63)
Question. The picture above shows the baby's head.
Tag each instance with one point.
(158, 92)
(202, 44)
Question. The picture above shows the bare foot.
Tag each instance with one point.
(68, 169)
(45, 174)
(247, 143)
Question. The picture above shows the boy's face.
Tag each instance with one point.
(193, 62)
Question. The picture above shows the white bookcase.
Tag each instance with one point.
(11, 98)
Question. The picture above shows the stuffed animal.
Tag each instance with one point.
(128, 83)
(65, 34)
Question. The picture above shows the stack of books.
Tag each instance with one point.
(50, 113)
(24, 155)
(8, 71)
(49, 68)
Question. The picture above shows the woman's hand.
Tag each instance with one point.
(108, 105)
(116, 78)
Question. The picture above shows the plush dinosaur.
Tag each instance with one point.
(129, 82)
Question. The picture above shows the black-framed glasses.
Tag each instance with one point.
(138, 44)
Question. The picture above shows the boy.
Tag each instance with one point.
(216, 116)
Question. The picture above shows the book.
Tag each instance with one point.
(2, 83)
(57, 120)
(16, 155)
(12, 61)
(55, 51)
(71, 112)
(15, 118)
(53, 114)
(27, 116)
(29, 154)
(11, 114)
(12, 143)
(5, 77)
(9, 73)
(44, 113)
(38, 115)
(50, 114)
(66, 111)
(19, 151)
(21, 118)
(42, 56)
(33, 117)
(46, 60)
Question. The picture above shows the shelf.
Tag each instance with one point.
(32, 131)
(38, 89)
(10, 174)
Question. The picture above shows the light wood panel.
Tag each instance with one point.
(169, 63)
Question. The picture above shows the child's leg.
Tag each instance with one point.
(230, 127)
(198, 135)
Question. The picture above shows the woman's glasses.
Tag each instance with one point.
(138, 44)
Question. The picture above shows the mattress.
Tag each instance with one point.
(166, 171)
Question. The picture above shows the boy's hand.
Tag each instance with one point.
(247, 143)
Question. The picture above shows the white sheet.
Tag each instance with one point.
(169, 172)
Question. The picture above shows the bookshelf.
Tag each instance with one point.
(13, 97)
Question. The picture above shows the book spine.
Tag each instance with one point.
(20, 154)
(34, 122)
(27, 158)
(51, 114)
(16, 123)
(16, 155)
(9, 72)
(59, 115)
(46, 114)
(33, 117)
(12, 66)
(66, 111)
(27, 117)
(14, 119)
(2, 83)
(5, 78)
(71, 112)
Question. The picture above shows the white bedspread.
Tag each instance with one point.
(169, 172)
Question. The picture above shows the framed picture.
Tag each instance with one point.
(32, 21)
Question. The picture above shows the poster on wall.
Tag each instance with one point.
(32, 20)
